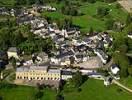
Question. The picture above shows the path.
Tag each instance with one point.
(121, 85)
(8, 78)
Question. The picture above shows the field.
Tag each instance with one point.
(7, 2)
(89, 19)
(95, 90)
(91, 89)
(24, 93)
(127, 82)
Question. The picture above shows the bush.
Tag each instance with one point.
(102, 11)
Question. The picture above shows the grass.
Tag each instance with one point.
(25, 93)
(91, 89)
(89, 18)
(127, 82)
(7, 2)
(95, 90)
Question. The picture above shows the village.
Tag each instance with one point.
(65, 49)
(73, 53)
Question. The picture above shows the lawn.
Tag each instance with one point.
(95, 90)
(89, 18)
(7, 2)
(127, 82)
(24, 93)
(90, 90)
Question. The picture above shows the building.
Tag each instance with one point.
(39, 72)
(102, 55)
(107, 81)
(130, 35)
(65, 75)
(13, 52)
(114, 69)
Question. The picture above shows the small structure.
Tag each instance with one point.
(114, 69)
(65, 75)
(1, 75)
(42, 57)
(13, 52)
(107, 81)
(130, 35)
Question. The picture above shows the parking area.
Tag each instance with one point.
(127, 4)
(92, 63)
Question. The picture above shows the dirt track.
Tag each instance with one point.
(127, 4)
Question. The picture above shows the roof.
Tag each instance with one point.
(114, 66)
(54, 71)
(12, 49)
(130, 33)
(66, 72)
(22, 69)
(39, 67)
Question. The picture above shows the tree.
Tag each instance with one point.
(91, 31)
(102, 11)
(109, 24)
(59, 97)
(77, 79)
(129, 44)
(1, 98)
(130, 70)
(122, 60)
(128, 19)
(38, 95)
(13, 61)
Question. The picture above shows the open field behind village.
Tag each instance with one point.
(90, 89)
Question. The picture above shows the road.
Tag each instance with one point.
(122, 86)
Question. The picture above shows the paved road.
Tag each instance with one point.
(122, 86)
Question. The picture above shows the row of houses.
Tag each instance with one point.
(22, 11)
(42, 72)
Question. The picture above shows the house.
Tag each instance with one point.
(38, 73)
(13, 52)
(102, 55)
(2, 64)
(107, 81)
(42, 57)
(114, 69)
(95, 75)
(130, 35)
(65, 75)
(4, 11)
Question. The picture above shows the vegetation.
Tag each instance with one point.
(8, 92)
(89, 14)
(88, 90)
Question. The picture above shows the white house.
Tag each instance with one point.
(130, 35)
(101, 55)
(13, 52)
(114, 69)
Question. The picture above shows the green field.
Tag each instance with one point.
(88, 19)
(25, 93)
(95, 90)
(127, 82)
(7, 2)
(90, 90)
